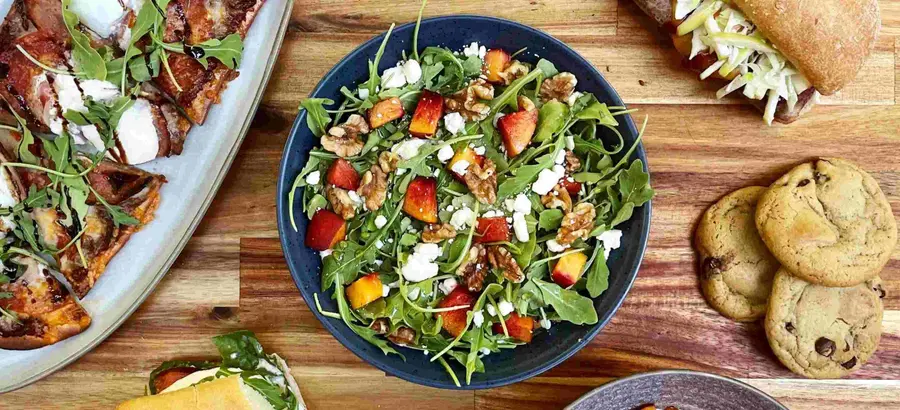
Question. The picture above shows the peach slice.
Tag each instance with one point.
(342, 175)
(517, 129)
(495, 61)
(421, 200)
(519, 327)
(428, 112)
(364, 290)
(492, 230)
(454, 321)
(569, 269)
(385, 111)
(325, 230)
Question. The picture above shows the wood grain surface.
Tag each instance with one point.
(233, 276)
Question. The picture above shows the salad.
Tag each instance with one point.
(731, 48)
(464, 201)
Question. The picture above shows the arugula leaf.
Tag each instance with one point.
(417, 164)
(598, 275)
(6, 295)
(477, 335)
(509, 95)
(23, 149)
(597, 111)
(569, 305)
(87, 60)
(527, 174)
(10, 315)
(239, 349)
(550, 219)
(118, 215)
(227, 50)
(547, 68)
(634, 184)
(317, 118)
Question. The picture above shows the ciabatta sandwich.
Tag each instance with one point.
(781, 54)
(246, 378)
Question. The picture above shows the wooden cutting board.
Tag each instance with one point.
(233, 275)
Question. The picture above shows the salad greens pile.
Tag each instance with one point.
(385, 240)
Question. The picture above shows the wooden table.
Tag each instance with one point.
(233, 276)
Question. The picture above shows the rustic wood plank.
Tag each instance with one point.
(586, 18)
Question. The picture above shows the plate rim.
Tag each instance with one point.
(192, 225)
(674, 372)
(299, 121)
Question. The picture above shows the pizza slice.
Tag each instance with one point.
(128, 198)
(152, 126)
(37, 310)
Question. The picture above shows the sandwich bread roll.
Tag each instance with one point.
(229, 393)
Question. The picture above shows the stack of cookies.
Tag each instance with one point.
(805, 253)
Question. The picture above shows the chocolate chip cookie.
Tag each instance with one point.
(828, 222)
(736, 268)
(823, 332)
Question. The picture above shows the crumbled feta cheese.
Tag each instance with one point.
(448, 285)
(445, 153)
(385, 291)
(522, 204)
(355, 198)
(509, 204)
(325, 253)
(560, 158)
(414, 293)
(492, 214)
(461, 218)
(480, 150)
(313, 178)
(400, 171)
(363, 93)
(509, 219)
(393, 78)
(450, 208)
(556, 247)
(412, 71)
(478, 318)
(573, 98)
(437, 172)
(505, 307)
(484, 351)
(380, 221)
(454, 122)
(611, 240)
(420, 265)
(491, 311)
(570, 142)
(520, 227)
(545, 323)
(460, 167)
(379, 244)
(475, 50)
(409, 148)
(497, 117)
(547, 179)
(379, 262)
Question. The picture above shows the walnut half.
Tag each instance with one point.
(502, 260)
(435, 233)
(340, 201)
(474, 268)
(559, 87)
(577, 224)
(468, 101)
(344, 140)
(373, 187)
(482, 181)
(558, 198)
(513, 72)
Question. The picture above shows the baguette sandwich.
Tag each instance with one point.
(781, 54)
(246, 378)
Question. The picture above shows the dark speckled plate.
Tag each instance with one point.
(685, 390)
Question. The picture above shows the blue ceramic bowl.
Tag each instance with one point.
(549, 348)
